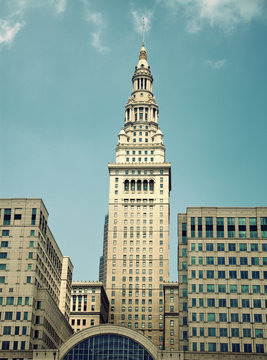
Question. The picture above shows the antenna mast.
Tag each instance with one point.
(143, 31)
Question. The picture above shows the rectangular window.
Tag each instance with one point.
(242, 227)
(199, 220)
(220, 247)
(264, 227)
(220, 228)
(231, 227)
(209, 227)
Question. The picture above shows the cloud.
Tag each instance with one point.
(226, 14)
(60, 6)
(138, 17)
(216, 65)
(96, 19)
(8, 31)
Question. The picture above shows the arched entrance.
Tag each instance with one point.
(108, 342)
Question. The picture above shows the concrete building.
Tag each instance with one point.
(35, 279)
(137, 249)
(89, 305)
(102, 262)
(171, 312)
(223, 280)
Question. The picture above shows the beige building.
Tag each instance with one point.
(136, 260)
(35, 279)
(171, 320)
(223, 280)
(89, 305)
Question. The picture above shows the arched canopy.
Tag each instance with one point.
(108, 342)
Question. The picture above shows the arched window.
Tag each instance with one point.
(133, 185)
(126, 185)
(145, 185)
(151, 185)
(139, 185)
(108, 346)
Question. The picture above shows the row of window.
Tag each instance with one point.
(10, 315)
(138, 185)
(233, 303)
(136, 317)
(17, 330)
(143, 325)
(231, 227)
(229, 247)
(232, 288)
(28, 279)
(83, 290)
(11, 300)
(139, 172)
(232, 274)
(139, 152)
(6, 345)
(17, 216)
(82, 322)
(213, 347)
(224, 332)
(84, 308)
(221, 317)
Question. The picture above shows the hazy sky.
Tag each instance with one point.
(65, 76)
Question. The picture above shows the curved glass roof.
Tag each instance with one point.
(108, 347)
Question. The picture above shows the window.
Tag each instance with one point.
(221, 261)
(209, 227)
(234, 317)
(243, 260)
(245, 303)
(247, 333)
(211, 316)
(209, 246)
(210, 274)
(235, 347)
(233, 302)
(264, 227)
(210, 260)
(259, 348)
(220, 247)
(235, 332)
(248, 348)
(223, 347)
(246, 317)
(257, 318)
(212, 347)
(223, 332)
(211, 331)
(243, 247)
(222, 317)
(221, 274)
(220, 228)
(222, 302)
(242, 227)
(5, 232)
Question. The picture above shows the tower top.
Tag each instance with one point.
(142, 54)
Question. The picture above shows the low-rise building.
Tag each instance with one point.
(89, 305)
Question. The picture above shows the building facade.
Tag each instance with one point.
(137, 248)
(89, 305)
(35, 279)
(223, 280)
(171, 319)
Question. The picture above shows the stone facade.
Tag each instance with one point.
(89, 305)
(31, 275)
(171, 322)
(137, 249)
(223, 280)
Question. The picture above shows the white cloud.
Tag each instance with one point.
(138, 17)
(8, 31)
(96, 19)
(216, 65)
(226, 14)
(60, 6)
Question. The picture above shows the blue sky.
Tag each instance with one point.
(65, 75)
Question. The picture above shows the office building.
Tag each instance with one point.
(137, 249)
(223, 280)
(35, 279)
(89, 305)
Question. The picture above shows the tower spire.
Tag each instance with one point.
(143, 43)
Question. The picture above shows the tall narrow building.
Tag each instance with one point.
(137, 248)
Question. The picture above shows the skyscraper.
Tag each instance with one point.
(136, 259)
